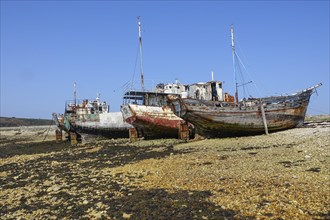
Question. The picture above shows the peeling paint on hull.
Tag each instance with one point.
(153, 121)
(108, 124)
(220, 119)
(110, 132)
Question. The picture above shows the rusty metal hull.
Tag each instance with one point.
(152, 121)
(219, 119)
(108, 132)
(107, 124)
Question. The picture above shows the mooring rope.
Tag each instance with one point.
(48, 131)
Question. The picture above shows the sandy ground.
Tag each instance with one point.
(281, 176)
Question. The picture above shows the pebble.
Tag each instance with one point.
(99, 204)
(47, 183)
(307, 157)
(126, 216)
(54, 188)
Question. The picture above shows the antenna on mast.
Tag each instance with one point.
(140, 44)
(75, 93)
(234, 54)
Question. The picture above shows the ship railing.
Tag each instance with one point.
(80, 102)
(91, 105)
(150, 85)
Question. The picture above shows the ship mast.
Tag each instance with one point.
(140, 44)
(75, 93)
(233, 51)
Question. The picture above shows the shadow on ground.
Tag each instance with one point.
(70, 184)
(73, 163)
(137, 204)
(17, 149)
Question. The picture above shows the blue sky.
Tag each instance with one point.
(47, 45)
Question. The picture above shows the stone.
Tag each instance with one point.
(85, 202)
(126, 216)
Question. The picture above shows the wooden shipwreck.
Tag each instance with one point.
(152, 117)
(219, 118)
(149, 111)
(218, 114)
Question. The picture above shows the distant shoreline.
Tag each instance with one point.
(323, 117)
(16, 122)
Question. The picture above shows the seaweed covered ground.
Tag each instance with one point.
(284, 175)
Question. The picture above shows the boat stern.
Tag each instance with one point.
(61, 122)
(177, 105)
(129, 115)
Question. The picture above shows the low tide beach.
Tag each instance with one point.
(284, 175)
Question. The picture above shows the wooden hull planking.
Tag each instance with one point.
(218, 119)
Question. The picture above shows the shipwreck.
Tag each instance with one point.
(150, 112)
(90, 116)
(152, 115)
(218, 114)
(220, 118)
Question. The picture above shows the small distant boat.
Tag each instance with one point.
(217, 114)
(91, 116)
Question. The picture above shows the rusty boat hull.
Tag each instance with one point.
(152, 121)
(108, 124)
(91, 116)
(221, 119)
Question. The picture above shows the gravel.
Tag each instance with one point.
(284, 175)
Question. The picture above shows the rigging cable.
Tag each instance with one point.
(48, 130)
(136, 58)
(241, 76)
(129, 85)
(249, 75)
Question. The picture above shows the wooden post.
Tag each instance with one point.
(264, 117)
(133, 135)
(183, 131)
(58, 133)
(73, 138)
